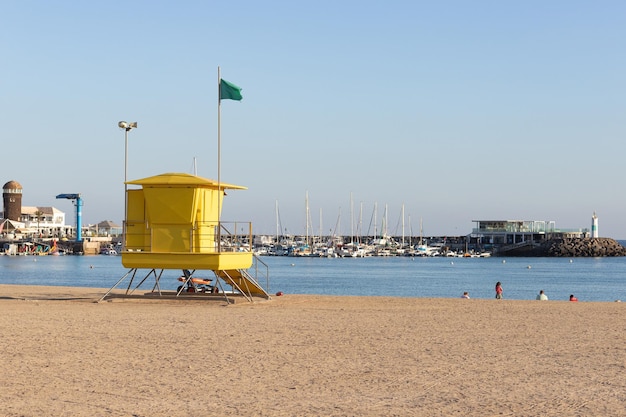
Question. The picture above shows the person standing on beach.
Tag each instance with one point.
(542, 296)
(499, 290)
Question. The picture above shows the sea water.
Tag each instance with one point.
(590, 279)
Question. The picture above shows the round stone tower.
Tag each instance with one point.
(12, 197)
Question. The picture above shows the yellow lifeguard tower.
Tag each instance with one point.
(173, 222)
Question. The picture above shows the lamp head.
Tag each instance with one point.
(125, 125)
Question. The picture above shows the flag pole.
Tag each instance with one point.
(219, 160)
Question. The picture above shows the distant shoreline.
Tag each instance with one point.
(92, 294)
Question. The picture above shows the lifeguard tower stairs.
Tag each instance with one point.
(173, 223)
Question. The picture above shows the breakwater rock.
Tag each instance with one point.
(570, 247)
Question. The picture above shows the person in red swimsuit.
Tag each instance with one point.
(572, 298)
(499, 290)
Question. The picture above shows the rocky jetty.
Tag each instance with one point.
(570, 247)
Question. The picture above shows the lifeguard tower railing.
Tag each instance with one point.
(202, 237)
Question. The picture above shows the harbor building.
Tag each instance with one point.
(519, 232)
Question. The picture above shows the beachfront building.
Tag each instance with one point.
(37, 222)
(48, 221)
(519, 232)
(104, 228)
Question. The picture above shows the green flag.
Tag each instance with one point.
(229, 91)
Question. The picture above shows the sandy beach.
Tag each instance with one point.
(63, 354)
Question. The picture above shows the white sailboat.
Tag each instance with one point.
(423, 249)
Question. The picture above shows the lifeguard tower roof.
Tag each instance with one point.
(177, 178)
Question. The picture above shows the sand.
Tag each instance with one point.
(62, 354)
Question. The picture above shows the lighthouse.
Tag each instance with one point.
(594, 225)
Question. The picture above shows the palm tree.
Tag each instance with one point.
(39, 214)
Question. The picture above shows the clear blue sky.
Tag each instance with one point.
(456, 110)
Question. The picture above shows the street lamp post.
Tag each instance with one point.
(127, 128)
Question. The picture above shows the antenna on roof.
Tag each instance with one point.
(194, 167)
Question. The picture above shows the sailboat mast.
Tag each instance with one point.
(375, 220)
(386, 227)
(360, 228)
(307, 214)
(321, 229)
(410, 232)
(337, 230)
(351, 219)
(277, 222)
(402, 224)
